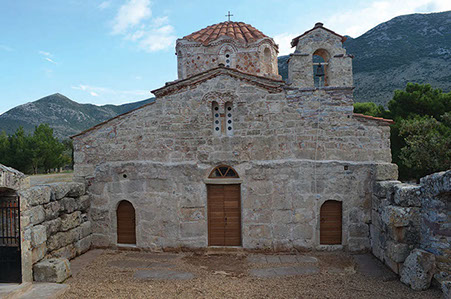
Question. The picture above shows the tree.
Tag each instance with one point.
(47, 150)
(427, 146)
(370, 108)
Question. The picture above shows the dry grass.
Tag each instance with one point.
(98, 280)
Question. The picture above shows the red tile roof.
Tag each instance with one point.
(388, 121)
(236, 30)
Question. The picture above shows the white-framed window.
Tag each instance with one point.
(222, 119)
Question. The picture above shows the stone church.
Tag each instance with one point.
(229, 154)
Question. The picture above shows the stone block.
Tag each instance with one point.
(418, 269)
(67, 252)
(407, 195)
(386, 171)
(68, 204)
(259, 232)
(446, 289)
(380, 188)
(52, 210)
(83, 203)
(36, 195)
(192, 229)
(394, 266)
(398, 252)
(76, 189)
(282, 216)
(358, 230)
(69, 221)
(192, 214)
(400, 216)
(38, 253)
(85, 229)
(358, 244)
(36, 215)
(52, 270)
(53, 226)
(62, 239)
(83, 245)
(38, 235)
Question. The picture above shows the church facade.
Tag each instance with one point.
(229, 154)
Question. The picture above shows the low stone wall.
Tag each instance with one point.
(408, 217)
(54, 223)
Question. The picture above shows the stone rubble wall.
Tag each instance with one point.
(405, 217)
(54, 222)
(10, 178)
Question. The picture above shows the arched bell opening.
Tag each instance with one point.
(321, 59)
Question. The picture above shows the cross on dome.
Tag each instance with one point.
(228, 15)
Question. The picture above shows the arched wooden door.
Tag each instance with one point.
(331, 222)
(224, 209)
(126, 223)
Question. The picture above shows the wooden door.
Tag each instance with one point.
(224, 215)
(331, 222)
(126, 225)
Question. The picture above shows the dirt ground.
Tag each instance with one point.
(227, 276)
(41, 179)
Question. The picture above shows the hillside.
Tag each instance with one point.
(65, 116)
(410, 48)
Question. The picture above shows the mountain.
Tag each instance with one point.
(409, 48)
(65, 116)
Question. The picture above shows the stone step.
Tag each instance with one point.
(13, 290)
(45, 290)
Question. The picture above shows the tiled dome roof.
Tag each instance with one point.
(236, 30)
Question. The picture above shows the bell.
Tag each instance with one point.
(319, 71)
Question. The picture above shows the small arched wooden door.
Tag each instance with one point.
(331, 222)
(126, 224)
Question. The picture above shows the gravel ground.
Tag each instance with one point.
(226, 276)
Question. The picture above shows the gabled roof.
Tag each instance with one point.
(237, 30)
(272, 85)
(295, 40)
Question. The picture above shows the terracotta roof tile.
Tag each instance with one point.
(236, 30)
(388, 121)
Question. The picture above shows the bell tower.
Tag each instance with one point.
(319, 60)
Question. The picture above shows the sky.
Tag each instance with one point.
(117, 51)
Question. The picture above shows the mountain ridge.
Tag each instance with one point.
(64, 115)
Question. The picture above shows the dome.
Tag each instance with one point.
(237, 30)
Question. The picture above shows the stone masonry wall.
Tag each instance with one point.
(54, 221)
(409, 216)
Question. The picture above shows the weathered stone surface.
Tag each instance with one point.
(38, 253)
(398, 252)
(69, 221)
(68, 204)
(400, 216)
(69, 189)
(76, 189)
(446, 289)
(52, 210)
(83, 245)
(386, 171)
(52, 270)
(53, 226)
(37, 195)
(407, 195)
(380, 188)
(38, 235)
(418, 269)
(10, 178)
(36, 214)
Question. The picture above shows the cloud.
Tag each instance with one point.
(44, 53)
(135, 23)
(6, 48)
(97, 91)
(131, 14)
(50, 60)
(104, 5)
(284, 42)
(355, 22)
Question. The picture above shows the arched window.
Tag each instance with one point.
(126, 223)
(223, 171)
(228, 58)
(267, 60)
(320, 67)
(216, 118)
(330, 222)
(228, 118)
